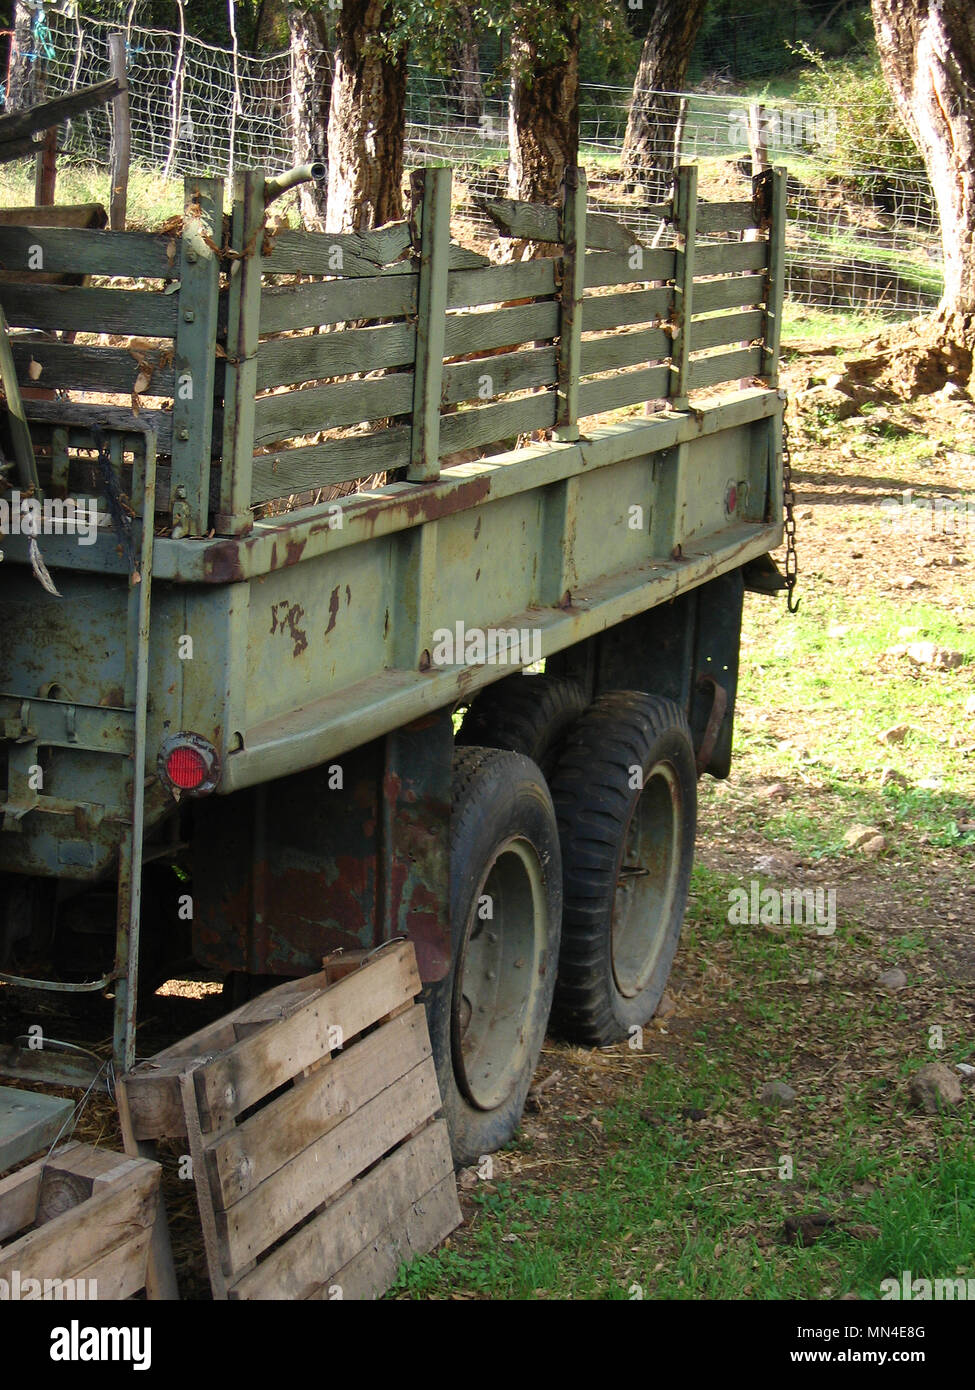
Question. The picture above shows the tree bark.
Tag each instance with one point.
(366, 121)
(651, 146)
(19, 93)
(927, 48)
(464, 82)
(311, 82)
(543, 113)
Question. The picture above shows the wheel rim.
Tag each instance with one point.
(498, 975)
(647, 880)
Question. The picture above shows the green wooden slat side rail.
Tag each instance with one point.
(76, 251)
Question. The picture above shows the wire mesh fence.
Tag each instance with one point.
(863, 229)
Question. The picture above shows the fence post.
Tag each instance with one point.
(776, 278)
(574, 196)
(431, 189)
(685, 215)
(243, 331)
(195, 355)
(757, 138)
(121, 135)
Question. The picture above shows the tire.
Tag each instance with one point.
(620, 931)
(505, 847)
(531, 715)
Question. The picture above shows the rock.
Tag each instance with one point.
(892, 979)
(890, 777)
(874, 846)
(965, 1068)
(666, 1007)
(930, 654)
(838, 403)
(934, 1088)
(951, 391)
(812, 977)
(906, 581)
(776, 1095)
(858, 836)
(775, 791)
(896, 734)
(693, 1112)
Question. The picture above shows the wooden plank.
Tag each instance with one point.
(574, 224)
(76, 367)
(19, 1193)
(724, 257)
(285, 307)
(470, 429)
(110, 417)
(726, 217)
(776, 275)
(520, 280)
(733, 293)
(121, 1272)
(58, 109)
(339, 253)
(495, 375)
(727, 328)
(321, 1170)
(111, 1217)
(142, 313)
(257, 1065)
(527, 221)
(624, 350)
(370, 1273)
(335, 461)
(287, 361)
(610, 311)
(431, 209)
(244, 1157)
(725, 366)
(17, 428)
(622, 268)
(71, 251)
(377, 1203)
(195, 356)
(160, 1278)
(76, 215)
(121, 133)
(243, 328)
(290, 414)
(685, 202)
(461, 258)
(482, 330)
(625, 388)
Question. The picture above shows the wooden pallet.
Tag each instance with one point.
(318, 1160)
(29, 1122)
(80, 1214)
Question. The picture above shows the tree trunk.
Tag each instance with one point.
(311, 82)
(19, 94)
(927, 48)
(543, 114)
(366, 121)
(464, 82)
(651, 147)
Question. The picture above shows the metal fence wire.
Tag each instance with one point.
(863, 230)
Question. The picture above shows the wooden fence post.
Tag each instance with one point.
(195, 356)
(243, 332)
(431, 190)
(574, 197)
(776, 278)
(121, 135)
(685, 214)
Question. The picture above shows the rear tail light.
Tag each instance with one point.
(189, 765)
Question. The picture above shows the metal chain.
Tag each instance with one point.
(788, 504)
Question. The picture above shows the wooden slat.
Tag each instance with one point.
(483, 330)
(290, 414)
(724, 257)
(76, 367)
(378, 1203)
(114, 417)
(728, 328)
(258, 1065)
(336, 461)
(538, 222)
(431, 211)
(286, 361)
(123, 1271)
(285, 307)
(369, 1274)
(726, 217)
(57, 109)
(19, 1193)
(625, 388)
(574, 229)
(685, 205)
(624, 350)
(508, 371)
(733, 293)
(615, 268)
(725, 366)
(521, 280)
(321, 1170)
(29, 1122)
(138, 312)
(470, 429)
(339, 253)
(244, 1157)
(69, 250)
(608, 311)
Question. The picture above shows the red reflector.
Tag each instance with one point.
(186, 768)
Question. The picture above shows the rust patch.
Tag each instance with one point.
(294, 549)
(333, 609)
(284, 617)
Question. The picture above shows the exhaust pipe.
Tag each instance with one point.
(302, 173)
